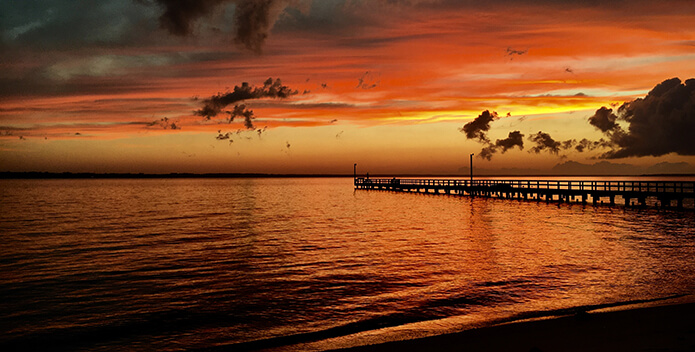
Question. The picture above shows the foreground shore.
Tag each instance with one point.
(659, 328)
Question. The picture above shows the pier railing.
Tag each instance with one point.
(609, 186)
(631, 192)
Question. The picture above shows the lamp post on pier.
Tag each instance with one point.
(471, 169)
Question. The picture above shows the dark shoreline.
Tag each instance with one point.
(91, 175)
(651, 328)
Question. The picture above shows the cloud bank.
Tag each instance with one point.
(660, 123)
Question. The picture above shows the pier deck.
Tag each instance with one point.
(676, 194)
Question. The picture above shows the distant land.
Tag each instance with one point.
(568, 168)
(601, 168)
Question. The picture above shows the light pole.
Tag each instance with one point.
(471, 169)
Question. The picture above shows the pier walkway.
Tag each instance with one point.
(629, 193)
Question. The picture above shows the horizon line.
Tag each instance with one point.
(115, 175)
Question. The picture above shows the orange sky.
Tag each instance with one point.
(385, 84)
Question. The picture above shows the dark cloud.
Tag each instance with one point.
(512, 52)
(477, 128)
(515, 139)
(270, 89)
(660, 123)
(165, 123)
(582, 145)
(487, 152)
(68, 23)
(586, 144)
(223, 136)
(368, 81)
(604, 119)
(253, 19)
(253, 22)
(242, 134)
(227, 136)
(568, 144)
(179, 15)
(544, 142)
(240, 110)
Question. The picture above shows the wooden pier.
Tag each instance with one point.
(670, 194)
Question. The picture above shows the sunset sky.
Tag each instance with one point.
(122, 85)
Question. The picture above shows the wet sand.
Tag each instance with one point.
(658, 328)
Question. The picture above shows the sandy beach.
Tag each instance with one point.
(657, 328)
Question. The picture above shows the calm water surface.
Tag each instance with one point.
(307, 264)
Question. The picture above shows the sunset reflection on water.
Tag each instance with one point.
(123, 264)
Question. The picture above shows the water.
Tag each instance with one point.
(307, 264)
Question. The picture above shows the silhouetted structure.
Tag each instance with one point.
(633, 193)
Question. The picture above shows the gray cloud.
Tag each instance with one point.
(179, 15)
(270, 89)
(68, 23)
(48, 25)
(253, 19)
